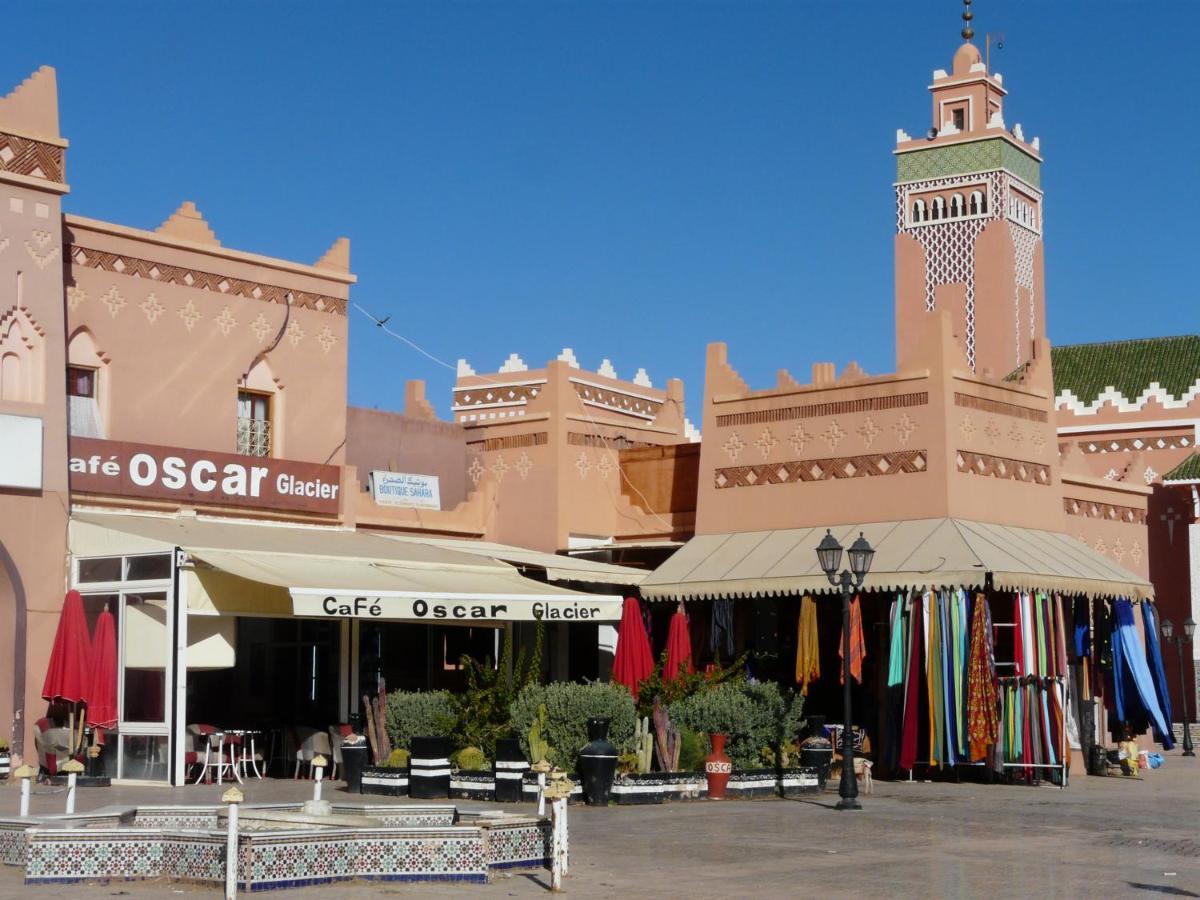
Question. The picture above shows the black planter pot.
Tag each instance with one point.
(597, 763)
(509, 769)
(354, 760)
(429, 768)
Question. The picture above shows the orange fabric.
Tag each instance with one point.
(808, 650)
(858, 647)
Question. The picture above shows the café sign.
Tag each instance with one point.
(146, 471)
(405, 489)
(453, 609)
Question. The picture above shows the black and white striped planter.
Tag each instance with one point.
(508, 770)
(386, 781)
(5, 764)
(637, 789)
(468, 784)
(429, 768)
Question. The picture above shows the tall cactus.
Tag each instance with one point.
(643, 744)
(539, 747)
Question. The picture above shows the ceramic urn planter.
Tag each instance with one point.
(598, 763)
(717, 768)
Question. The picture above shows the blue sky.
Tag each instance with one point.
(632, 180)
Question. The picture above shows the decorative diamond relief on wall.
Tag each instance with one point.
(326, 338)
(605, 466)
(766, 443)
(523, 465)
(904, 428)
(190, 315)
(75, 296)
(1136, 553)
(40, 250)
(992, 430)
(499, 467)
(225, 321)
(114, 301)
(833, 434)
(151, 308)
(791, 471)
(869, 431)
(295, 333)
(1149, 475)
(583, 464)
(475, 471)
(260, 327)
(734, 446)
(799, 439)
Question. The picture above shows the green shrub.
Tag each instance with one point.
(3, 744)
(752, 715)
(568, 707)
(397, 760)
(419, 714)
(471, 758)
(692, 750)
(482, 707)
(683, 685)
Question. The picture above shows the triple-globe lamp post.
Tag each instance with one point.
(829, 553)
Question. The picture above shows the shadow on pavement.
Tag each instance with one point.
(1161, 889)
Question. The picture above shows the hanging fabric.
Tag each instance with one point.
(1133, 685)
(721, 635)
(808, 650)
(898, 643)
(1154, 658)
(858, 647)
(983, 724)
(911, 726)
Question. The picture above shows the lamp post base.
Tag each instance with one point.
(848, 803)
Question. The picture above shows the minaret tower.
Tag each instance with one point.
(969, 220)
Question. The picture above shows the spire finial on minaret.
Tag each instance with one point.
(968, 32)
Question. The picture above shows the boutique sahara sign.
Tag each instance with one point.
(201, 476)
(405, 489)
(453, 609)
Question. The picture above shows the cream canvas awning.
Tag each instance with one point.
(910, 554)
(240, 568)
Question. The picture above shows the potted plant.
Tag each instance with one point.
(471, 778)
(421, 722)
(5, 759)
(680, 754)
(390, 778)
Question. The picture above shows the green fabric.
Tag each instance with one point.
(1129, 367)
(896, 651)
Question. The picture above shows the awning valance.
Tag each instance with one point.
(909, 554)
(242, 568)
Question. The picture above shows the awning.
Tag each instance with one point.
(917, 553)
(241, 568)
(556, 567)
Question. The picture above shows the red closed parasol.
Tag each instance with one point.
(633, 662)
(68, 676)
(102, 693)
(679, 647)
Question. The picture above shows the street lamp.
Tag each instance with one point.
(829, 553)
(1168, 632)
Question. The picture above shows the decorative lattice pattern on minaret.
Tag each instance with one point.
(1024, 241)
(950, 245)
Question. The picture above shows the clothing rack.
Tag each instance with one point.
(1062, 765)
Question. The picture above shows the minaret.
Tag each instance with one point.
(969, 220)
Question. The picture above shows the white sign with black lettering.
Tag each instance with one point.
(405, 489)
(453, 608)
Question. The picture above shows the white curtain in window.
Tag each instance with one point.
(85, 417)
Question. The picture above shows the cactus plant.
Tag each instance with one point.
(539, 747)
(643, 744)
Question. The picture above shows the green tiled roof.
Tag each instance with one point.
(1188, 470)
(1128, 366)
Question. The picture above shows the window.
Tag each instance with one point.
(81, 382)
(254, 424)
(978, 205)
(960, 118)
(956, 205)
(918, 211)
(939, 208)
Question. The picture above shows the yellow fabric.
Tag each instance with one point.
(808, 652)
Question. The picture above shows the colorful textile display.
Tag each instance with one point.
(982, 698)
(911, 721)
(858, 647)
(808, 649)
(896, 648)
(1154, 658)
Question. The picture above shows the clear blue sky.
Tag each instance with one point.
(632, 180)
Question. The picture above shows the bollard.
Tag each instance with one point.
(25, 773)
(541, 767)
(318, 763)
(557, 793)
(72, 767)
(233, 797)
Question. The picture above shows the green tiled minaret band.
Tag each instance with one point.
(963, 159)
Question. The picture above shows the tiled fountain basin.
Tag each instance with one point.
(408, 843)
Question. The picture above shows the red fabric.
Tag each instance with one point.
(908, 736)
(679, 648)
(633, 662)
(102, 692)
(858, 646)
(68, 676)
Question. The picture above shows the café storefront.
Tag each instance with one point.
(270, 626)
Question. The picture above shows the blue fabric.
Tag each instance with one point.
(1154, 658)
(1133, 685)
